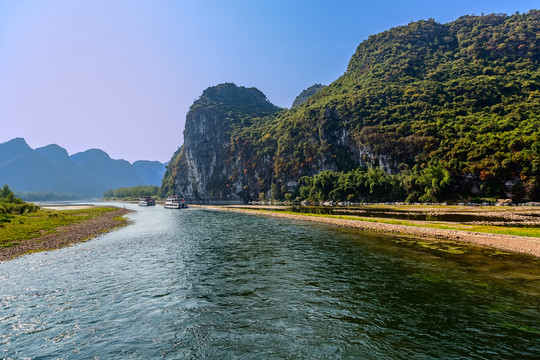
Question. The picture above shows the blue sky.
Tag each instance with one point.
(120, 75)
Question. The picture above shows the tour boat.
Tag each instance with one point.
(146, 201)
(175, 202)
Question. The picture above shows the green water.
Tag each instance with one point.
(199, 284)
(392, 214)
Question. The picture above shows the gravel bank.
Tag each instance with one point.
(67, 235)
(521, 244)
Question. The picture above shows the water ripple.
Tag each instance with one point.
(205, 284)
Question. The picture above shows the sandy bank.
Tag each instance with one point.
(65, 207)
(67, 235)
(521, 244)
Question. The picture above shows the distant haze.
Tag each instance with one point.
(85, 174)
(120, 75)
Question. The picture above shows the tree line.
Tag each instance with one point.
(432, 184)
(131, 193)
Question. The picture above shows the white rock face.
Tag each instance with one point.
(207, 167)
(205, 150)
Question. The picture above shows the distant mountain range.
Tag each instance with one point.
(87, 174)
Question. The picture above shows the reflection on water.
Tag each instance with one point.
(393, 214)
(205, 284)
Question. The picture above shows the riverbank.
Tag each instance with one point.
(427, 230)
(56, 228)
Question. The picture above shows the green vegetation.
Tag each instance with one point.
(226, 112)
(357, 185)
(47, 196)
(9, 204)
(430, 184)
(452, 106)
(238, 102)
(424, 112)
(31, 225)
(306, 94)
(445, 247)
(132, 193)
(531, 231)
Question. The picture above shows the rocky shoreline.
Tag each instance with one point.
(67, 235)
(520, 244)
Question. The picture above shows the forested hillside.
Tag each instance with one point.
(426, 112)
(306, 94)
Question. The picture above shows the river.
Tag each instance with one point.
(204, 284)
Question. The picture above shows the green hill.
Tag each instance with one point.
(306, 94)
(424, 111)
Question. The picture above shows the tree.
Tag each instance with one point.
(435, 180)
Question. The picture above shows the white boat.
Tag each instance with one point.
(175, 202)
(146, 201)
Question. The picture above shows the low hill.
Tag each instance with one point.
(306, 94)
(150, 172)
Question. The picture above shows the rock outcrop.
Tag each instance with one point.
(207, 166)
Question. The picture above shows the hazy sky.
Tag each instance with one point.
(120, 75)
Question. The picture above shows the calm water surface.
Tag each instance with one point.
(201, 284)
(393, 214)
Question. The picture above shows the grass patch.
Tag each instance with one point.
(8, 244)
(490, 229)
(43, 222)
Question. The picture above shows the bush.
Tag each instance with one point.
(9, 204)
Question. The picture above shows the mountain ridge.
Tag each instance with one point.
(87, 174)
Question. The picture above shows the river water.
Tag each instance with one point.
(203, 284)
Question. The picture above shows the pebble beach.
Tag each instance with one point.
(67, 235)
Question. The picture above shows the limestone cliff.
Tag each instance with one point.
(207, 167)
